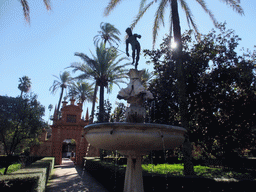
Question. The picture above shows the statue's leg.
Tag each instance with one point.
(133, 56)
(137, 55)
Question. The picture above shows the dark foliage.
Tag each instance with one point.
(106, 112)
(20, 122)
(220, 91)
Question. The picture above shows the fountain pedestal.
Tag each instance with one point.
(133, 175)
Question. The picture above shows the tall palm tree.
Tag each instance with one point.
(81, 91)
(25, 85)
(104, 69)
(108, 34)
(63, 81)
(175, 28)
(26, 10)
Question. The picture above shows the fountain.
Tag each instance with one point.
(134, 138)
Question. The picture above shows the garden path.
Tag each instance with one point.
(70, 178)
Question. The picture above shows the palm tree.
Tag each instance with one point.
(175, 27)
(26, 10)
(62, 82)
(81, 91)
(104, 69)
(25, 85)
(146, 78)
(108, 34)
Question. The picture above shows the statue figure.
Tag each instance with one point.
(132, 39)
(135, 94)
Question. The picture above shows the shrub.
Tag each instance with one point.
(31, 178)
(12, 168)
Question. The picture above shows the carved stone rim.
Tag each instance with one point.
(139, 126)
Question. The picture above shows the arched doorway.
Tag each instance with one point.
(69, 148)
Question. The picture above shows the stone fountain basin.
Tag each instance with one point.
(134, 138)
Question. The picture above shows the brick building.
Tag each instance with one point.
(69, 126)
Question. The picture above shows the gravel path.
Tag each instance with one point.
(70, 178)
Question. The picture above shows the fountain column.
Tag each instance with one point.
(133, 175)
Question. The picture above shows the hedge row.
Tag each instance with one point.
(112, 178)
(108, 174)
(31, 178)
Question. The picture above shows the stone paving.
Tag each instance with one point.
(70, 178)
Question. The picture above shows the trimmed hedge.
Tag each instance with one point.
(112, 178)
(108, 174)
(31, 178)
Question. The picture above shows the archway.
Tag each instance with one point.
(69, 149)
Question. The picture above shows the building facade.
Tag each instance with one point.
(70, 126)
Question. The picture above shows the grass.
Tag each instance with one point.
(11, 168)
(202, 171)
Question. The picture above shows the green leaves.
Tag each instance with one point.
(20, 122)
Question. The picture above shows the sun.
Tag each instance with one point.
(173, 44)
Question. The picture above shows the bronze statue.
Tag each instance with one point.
(132, 39)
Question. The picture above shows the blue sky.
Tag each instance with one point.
(47, 46)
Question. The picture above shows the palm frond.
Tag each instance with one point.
(90, 62)
(235, 4)
(25, 7)
(159, 19)
(142, 4)
(47, 4)
(140, 14)
(112, 4)
(189, 15)
(204, 7)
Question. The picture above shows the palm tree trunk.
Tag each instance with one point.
(101, 112)
(94, 101)
(61, 94)
(187, 152)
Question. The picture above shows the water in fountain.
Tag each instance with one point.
(165, 162)
(86, 155)
(152, 167)
(116, 167)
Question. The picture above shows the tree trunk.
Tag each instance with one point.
(61, 94)
(101, 112)
(187, 152)
(6, 169)
(94, 101)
